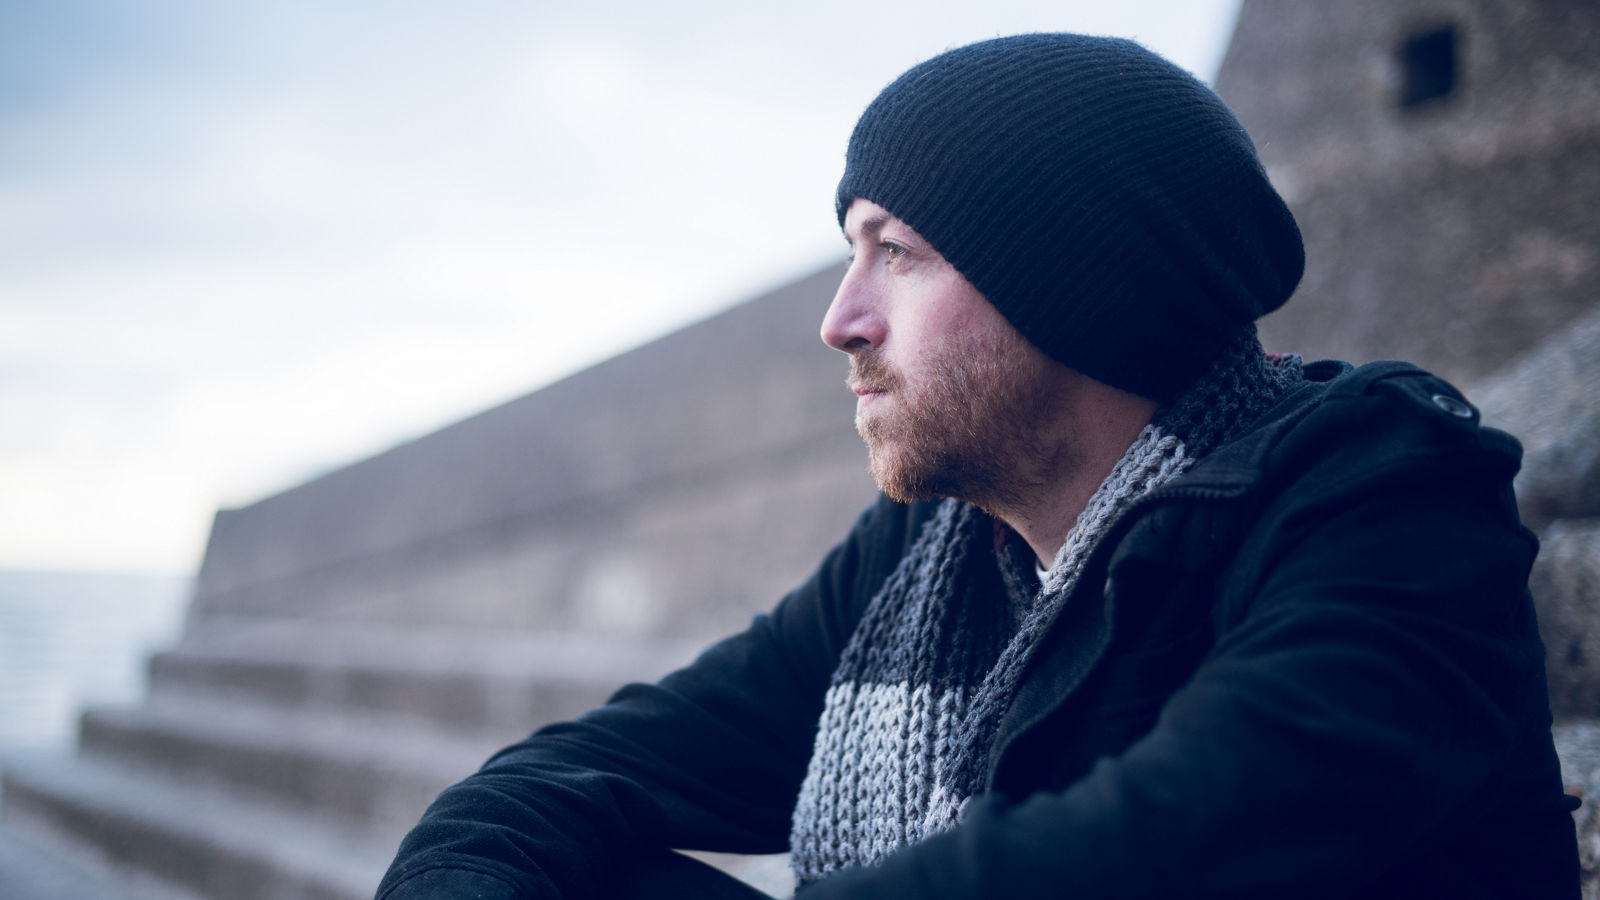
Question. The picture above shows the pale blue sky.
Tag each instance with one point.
(243, 243)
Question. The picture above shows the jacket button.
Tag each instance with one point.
(1452, 406)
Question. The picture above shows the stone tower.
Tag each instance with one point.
(1443, 159)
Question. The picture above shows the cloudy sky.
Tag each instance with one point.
(241, 244)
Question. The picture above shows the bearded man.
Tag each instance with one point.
(1144, 611)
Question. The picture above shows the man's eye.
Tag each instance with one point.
(892, 250)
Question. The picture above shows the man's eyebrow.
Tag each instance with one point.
(869, 227)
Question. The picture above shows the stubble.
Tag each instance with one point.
(971, 430)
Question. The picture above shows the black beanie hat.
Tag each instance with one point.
(1106, 202)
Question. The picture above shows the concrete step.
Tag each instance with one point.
(370, 772)
(459, 679)
(190, 838)
(34, 868)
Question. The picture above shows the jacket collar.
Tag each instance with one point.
(1233, 468)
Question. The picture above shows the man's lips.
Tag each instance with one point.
(869, 376)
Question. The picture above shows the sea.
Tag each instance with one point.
(69, 640)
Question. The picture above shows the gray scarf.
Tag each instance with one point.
(913, 709)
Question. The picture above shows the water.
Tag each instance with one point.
(75, 639)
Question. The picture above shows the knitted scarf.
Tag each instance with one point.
(906, 730)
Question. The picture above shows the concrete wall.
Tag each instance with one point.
(670, 490)
(1457, 232)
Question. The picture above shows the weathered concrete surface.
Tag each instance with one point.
(1456, 233)
(31, 869)
(1578, 743)
(671, 490)
(1566, 590)
(1550, 399)
(285, 759)
(190, 838)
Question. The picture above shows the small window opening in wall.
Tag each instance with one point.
(1427, 67)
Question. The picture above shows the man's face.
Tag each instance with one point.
(952, 400)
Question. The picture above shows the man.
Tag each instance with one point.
(1144, 612)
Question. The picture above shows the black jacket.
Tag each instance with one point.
(1320, 677)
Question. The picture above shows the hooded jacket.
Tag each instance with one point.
(1316, 673)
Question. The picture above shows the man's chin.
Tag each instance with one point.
(902, 491)
(898, 481)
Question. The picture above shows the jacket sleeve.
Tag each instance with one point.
(710, 757)
(1383, 667)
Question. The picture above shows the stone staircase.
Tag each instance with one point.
(286, 760)
(359, 642)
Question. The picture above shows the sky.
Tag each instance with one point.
(244, 244)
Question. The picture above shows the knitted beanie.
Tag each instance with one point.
(1106, 202)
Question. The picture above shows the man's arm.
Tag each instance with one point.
(711, 757)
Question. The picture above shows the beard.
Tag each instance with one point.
(971, 431)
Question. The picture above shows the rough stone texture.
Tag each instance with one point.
(1550, 399)
(1578, 743)
(1456, 233)
(1566, 590)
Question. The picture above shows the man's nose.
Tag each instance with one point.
(854, 320)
